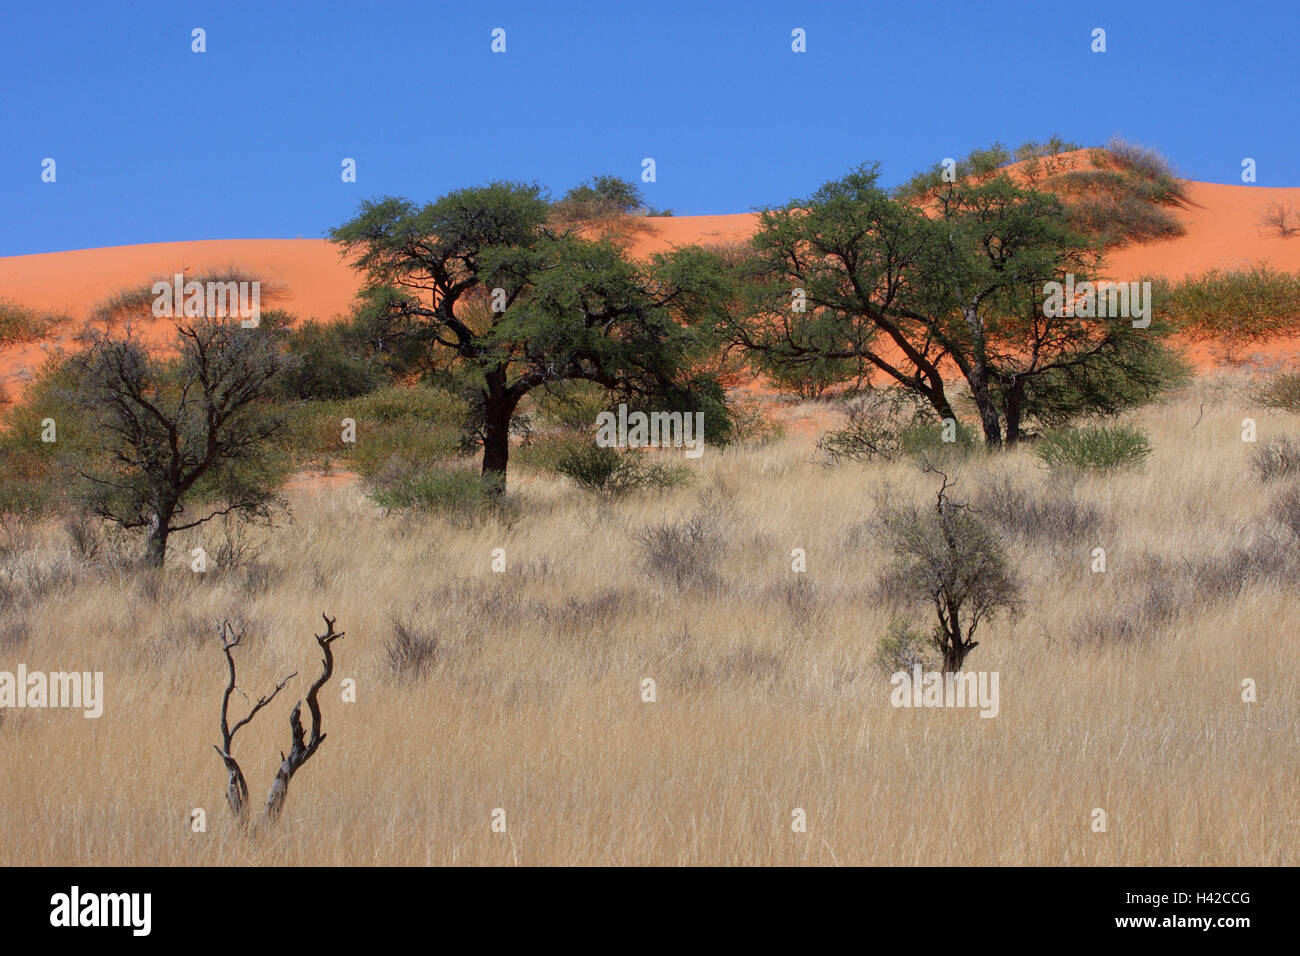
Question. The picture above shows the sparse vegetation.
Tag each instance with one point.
(750, 599)
(683, 552)
(411, 649)
(1282, 218)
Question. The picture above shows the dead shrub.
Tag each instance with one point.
(1276, 458)
(1030, 515)
(683, 552)
(411, 650)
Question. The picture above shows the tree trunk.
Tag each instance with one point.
(498, 410)
(156, 539)
(978, 378)
(1014, 404)
(937, 398)
(954, 655)
(979, 390)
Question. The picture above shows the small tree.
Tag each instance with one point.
(167, 431)
(947, 556)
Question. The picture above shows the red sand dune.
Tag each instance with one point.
(1221, 222)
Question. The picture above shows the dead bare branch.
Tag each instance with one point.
(237, 786)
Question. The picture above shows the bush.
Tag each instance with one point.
(1285, 508)
(327, 366)
(1143, 161)
(1280, 391)
(902, 648)
(923, 441)
(871, 432)
(445, 490)
(1276, 458)
(411, 651)
(1281, 217)
(948, 559)
(887, 425)
(602, 197)
(598, 468)
(398, 428)
(1031, 514)
(34, 473)
(21, 324)
(1098, 448)
(1233, 307)
(1123, 198)
(750, 426)
(683, 552)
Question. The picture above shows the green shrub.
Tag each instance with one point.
(902, 648)
(1146, 164)
(864, 438)
(887, 424)
(1235, 308)
(750, 426)
(923, 441)
(462, 496)
(326, 366)
(598, 468)
(397, 428)
(34, 474)
(1099, 448)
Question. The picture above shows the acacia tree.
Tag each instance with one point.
(932, 290)
(476, 281)
(167, 431)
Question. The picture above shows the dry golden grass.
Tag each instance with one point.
(767, 697)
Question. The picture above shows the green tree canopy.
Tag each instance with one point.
(476, 281)
(928, 292)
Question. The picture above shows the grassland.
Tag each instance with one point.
(1119, 690)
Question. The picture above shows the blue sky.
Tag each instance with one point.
(156, 143)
